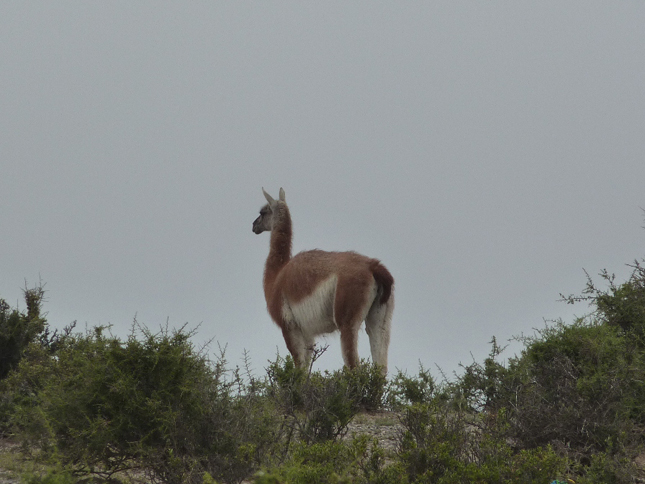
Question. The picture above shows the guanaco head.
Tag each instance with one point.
(268, 213)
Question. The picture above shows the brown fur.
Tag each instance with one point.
(290, 280)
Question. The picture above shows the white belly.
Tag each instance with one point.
(314, 314)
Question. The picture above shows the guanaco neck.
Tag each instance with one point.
(280, 248)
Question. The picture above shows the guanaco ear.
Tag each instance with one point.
(269, 198)
(282, 195)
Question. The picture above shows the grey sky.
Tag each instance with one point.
(486, 152)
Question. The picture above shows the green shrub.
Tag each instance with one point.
(18, 329)
(334, 462)
(152, 402)
(621, 305)
(319, 407)
(608, 469)
(369, 386)
(53, 476)
(579, 388)
(585, 389)
(20, 396)
(444, 446)
(405, 390)
(431, 443)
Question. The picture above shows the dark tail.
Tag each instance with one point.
(383, 278)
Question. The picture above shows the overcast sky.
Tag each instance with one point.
(486, 152)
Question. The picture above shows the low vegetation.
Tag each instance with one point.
(155, 408)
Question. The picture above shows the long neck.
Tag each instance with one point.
(280, 250)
